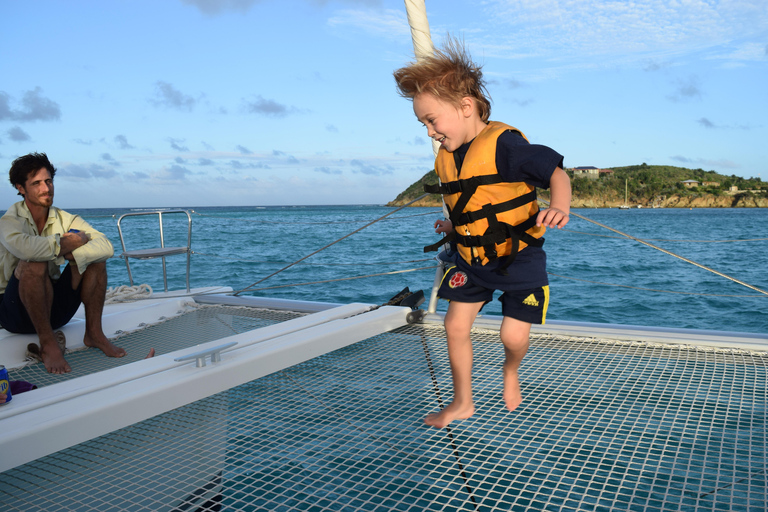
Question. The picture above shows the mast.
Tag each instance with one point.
(422, 40)
(423, 48)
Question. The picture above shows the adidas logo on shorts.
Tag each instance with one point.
(531, 301)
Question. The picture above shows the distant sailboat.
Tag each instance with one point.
(624, 206)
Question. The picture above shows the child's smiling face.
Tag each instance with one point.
(446, 123)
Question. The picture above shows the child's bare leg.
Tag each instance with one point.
(458, 323)
(514, 334)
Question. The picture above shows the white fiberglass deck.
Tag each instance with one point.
(605, 425)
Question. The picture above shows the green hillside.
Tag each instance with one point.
(646, 184)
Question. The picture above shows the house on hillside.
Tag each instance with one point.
(586, 172)
(710, 183)
(690, 183)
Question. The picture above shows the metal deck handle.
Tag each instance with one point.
(160, 252)
(214, 352)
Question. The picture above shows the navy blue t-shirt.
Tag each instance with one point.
(516, 160)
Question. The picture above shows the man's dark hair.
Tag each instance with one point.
(25, 165)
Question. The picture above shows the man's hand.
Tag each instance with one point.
(443, 226)
(71, 241)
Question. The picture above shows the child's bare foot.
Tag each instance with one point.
(452, 412)
(103, 344)
(512, 395)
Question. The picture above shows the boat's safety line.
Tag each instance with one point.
(666, 252)
(668, 239)
(356, 264)
(343, 278)
(654, 289)
(329, 245)
(259, 221)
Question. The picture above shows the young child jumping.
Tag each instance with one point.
(488, 174)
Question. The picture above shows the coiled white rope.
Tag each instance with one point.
(128, 293)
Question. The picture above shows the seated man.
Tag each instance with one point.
(36, 238)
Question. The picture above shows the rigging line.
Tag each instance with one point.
(218, 292)
(653, 289)
(310, 264)
(339, 279)
(259, 221)
(373, 263)
(727, 486)
(332, 243)
(669, 239)
(666, 252)
(448, 430)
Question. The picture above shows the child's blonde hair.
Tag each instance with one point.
(449, 75)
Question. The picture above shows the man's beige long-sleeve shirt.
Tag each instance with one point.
(20, 240)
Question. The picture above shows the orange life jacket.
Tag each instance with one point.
(491, 218)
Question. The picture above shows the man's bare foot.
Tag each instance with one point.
(512, 395)
(150, 354)
(52, 354)
(103, 344)
(452, 412)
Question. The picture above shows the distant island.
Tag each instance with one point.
(646, 186)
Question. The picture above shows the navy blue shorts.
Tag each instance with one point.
(13, 314)
(524, 305)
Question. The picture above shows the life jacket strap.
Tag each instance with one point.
(493, 210)
(467, 185)
(505, 232)
(446, 239)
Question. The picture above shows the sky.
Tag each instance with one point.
(183, 103)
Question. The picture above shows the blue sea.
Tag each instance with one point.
(596, 274)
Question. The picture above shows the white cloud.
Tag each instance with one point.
(267, 107)
(16, 134)
(686, 89)
(166, 95)
(371, 170)
(706, 162)
(122, 142)
(621, 30)
(388, 23)
(214, 7)
(34, 107)
(88, 171)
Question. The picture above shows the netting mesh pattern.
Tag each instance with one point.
(604, 426)
(200, 325)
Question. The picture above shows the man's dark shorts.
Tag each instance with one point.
(13, 314)
(524, 305)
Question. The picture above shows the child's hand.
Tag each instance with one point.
(552, 217)
(443, 226)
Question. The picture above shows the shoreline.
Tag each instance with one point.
(675, 201)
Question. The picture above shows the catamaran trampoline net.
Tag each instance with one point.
(189, 328)
(604, 426)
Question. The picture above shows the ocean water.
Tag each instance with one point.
(596, 275)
